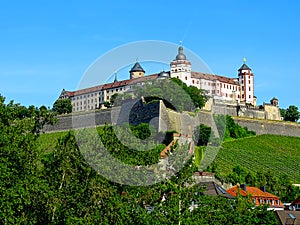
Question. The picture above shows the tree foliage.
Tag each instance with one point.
(203, 134)
(280, 186)
(62, 106)
(291, 114)
(228, 129)
(175, 94)
(56, 185)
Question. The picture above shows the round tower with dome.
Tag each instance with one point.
(180, 67)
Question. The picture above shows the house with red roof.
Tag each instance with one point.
(259, 196)
(295, 205)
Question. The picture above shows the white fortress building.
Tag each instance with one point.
(239, 90)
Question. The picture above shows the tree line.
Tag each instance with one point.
(56, 185)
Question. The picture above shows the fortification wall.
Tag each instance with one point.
(270, 127)
(268, 112)
(164, 119)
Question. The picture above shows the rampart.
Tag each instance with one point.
(164, 119)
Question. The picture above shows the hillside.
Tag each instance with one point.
(279, 154)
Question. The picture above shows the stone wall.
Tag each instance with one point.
(270, 127)
(164, 119)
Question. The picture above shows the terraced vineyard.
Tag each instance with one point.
(279, 154)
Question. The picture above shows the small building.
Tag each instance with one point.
(211, 188)
(286, 217)
(295, 205)
(259, 196)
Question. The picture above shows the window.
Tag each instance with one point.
(249, 96)
(249, 82)
(107, 98)
(185, 78)
(249, 88)
(193, 81)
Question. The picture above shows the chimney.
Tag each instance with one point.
(243, 186)
(263, 188)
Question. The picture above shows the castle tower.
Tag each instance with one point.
(136, 71)
(246, 81)
(181, 67)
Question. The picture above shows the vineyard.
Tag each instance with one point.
(279, 154)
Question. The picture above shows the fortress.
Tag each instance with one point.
(233, 96)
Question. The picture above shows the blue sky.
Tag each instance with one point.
(46, 46)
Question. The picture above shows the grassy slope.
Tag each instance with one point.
(279, 154)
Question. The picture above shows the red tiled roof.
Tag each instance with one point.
(214, 77)
(167, 149)
(297, 201)
(253, 191)
(147, 78)
(111, 85)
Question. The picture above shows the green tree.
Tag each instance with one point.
(292, 114)
(175, 94)
(23, 196)
(282, 112)
(62, 106)
(202, 133)
(113, 99)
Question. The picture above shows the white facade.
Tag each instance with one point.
(227, 90)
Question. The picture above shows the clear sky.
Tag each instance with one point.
(46, 46)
